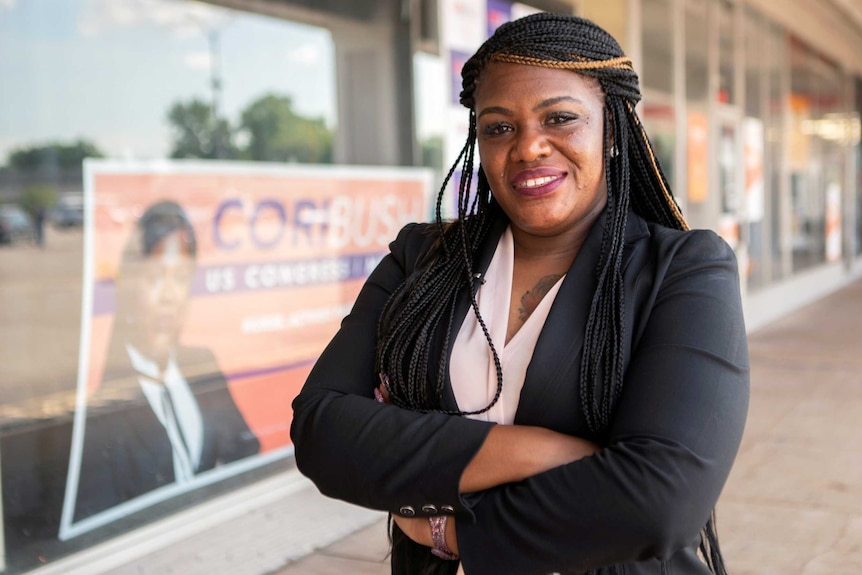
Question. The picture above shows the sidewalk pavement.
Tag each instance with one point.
(793, 503)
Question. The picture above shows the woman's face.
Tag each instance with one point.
(164, 292)
(540, 137)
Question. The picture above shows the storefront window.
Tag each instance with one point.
(131, 83)
(726, 42)
(657, 45)
(806, 200)
(729, 131)
(858, 145)
(816, 157)
(830, 129)
(696, 50)
(430, 83)
(699, 198)
(777, 101)
(658, 111)
(754, 133)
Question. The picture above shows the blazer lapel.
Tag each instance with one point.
(462, 306)
(550, 396)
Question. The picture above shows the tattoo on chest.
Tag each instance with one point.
(530, 300)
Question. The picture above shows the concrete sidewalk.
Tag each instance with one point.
(793, 503)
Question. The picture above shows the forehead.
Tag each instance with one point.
(502, 81)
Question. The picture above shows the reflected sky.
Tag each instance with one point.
(109, 71)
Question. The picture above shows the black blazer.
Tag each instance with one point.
(641, 502)
(126, 451)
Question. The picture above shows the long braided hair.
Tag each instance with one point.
(423, 307)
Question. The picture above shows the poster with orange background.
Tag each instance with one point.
(282, 253)
(210, 289)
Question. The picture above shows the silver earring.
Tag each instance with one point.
(614, 151)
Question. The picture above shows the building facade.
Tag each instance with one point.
(753, 107)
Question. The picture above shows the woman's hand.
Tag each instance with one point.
(381, 394)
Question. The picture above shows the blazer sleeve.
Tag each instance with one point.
(675, 434)
(367, 453)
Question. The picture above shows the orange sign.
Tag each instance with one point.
(698, 160)
(210, 290)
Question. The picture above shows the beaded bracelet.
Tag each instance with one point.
(438, 536)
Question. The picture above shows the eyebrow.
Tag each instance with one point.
(539, 106)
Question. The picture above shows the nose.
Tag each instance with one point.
(530, 145)
(169, 289)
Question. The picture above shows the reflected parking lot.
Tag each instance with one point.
(40, 315)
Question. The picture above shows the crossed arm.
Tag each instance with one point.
(510, 453)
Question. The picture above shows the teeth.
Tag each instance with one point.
(536, 182)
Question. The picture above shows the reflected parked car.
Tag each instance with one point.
(15, 225)
(67, 216)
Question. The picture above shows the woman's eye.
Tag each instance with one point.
(496, 129)
(560, 118)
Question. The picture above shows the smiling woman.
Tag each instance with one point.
(556, 381)
(541, 140)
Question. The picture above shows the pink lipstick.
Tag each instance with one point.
(537, 182)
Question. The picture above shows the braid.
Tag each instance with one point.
(422, 309)
(425, 303)
(635, 180)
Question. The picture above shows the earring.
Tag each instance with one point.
(614, 151)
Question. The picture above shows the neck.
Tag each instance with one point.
(556, 250)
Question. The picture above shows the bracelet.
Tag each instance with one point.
(438, 536)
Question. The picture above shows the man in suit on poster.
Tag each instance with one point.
(163, 413)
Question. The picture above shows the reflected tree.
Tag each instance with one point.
(278, 134)
(38, 198)
(197, 133)
(52, 156)
(37, 174)
(271, 131)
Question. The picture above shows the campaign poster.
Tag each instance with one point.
(210, 289)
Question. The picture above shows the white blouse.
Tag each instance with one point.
(471, 370)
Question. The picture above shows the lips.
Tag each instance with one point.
(537, 182)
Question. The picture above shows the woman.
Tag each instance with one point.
(563, 368)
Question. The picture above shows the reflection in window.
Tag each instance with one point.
(753, 134)
(777, 101)
(696, 38)
(140, 80)
(159, 79)
(699, 211)
(658, 111)
(430, 105)
(816, 157)
(855, 135)
(725, 92)
(657, 45)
